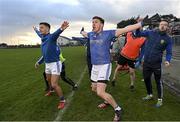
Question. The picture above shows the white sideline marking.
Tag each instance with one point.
(69, 98)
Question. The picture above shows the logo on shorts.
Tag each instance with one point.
(102, 77)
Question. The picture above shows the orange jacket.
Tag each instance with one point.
(132, 47)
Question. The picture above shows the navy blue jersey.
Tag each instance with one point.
(155, 44)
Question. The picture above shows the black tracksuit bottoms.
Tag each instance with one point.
(148, 70)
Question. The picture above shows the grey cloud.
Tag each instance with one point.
(20, 15)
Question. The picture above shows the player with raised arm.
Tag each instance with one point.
(100, 42)
(50, 53)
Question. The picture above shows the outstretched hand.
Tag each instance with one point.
(139, 19)
(82, 30)
(65, 25)
(144, 20)
(36, 65)
(34, 27)
(167, 64)
(83, 33)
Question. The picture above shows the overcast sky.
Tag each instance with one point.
(18, 16)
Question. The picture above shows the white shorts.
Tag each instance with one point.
(53, 68)
(101, 72)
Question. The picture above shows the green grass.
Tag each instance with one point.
(22, 92)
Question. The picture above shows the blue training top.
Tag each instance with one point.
(50, 50)
(155, 44)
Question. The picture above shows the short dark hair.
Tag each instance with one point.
(165, 20)
(46, 24)
(99, 18)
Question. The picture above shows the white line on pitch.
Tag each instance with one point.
(69, 98)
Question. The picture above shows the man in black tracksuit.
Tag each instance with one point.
(157, 42)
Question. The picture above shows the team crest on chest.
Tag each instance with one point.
(162, 41)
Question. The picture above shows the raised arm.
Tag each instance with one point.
(83, 33)
(37, 32)
(139, 33)
(128, 29)
(56, 34)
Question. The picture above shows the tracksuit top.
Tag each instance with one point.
(49, 48)
(155, 44)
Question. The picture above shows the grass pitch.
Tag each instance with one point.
(22, 92)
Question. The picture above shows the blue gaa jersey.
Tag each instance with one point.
(100, 46)
(50, 50)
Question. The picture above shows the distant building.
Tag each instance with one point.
(3, 45)
(65, 41)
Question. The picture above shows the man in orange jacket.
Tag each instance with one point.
(128, 55)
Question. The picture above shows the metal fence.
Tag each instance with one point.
(171, 74)
(176, 40)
